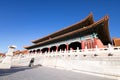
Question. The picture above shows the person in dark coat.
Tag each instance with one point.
(31, 62)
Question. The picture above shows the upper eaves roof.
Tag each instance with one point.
(85, 22)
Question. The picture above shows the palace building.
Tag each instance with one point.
(84, 34)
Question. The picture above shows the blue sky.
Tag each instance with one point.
(24, 20)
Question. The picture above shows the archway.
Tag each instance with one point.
(34, 51)
(44, 50)
(30, 51)
(53, 48)
(75, 45)
(62, 47)
(38, 50)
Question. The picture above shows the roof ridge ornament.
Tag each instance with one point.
(95, 35)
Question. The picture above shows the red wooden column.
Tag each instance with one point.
(83, 44)
(56, 48)
(67, 47)
(49, 49)
(91, 45)
(95, 42)
(88, 45)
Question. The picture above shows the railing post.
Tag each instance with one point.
(77, 49)
(109, 47)
(86, 50)
(96, 49)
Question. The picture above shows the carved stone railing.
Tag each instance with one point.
(98, 60)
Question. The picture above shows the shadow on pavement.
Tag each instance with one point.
(4, 72)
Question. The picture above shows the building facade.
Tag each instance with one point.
(84, 46)
(84, 34)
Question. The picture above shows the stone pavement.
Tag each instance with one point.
(45, 73)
